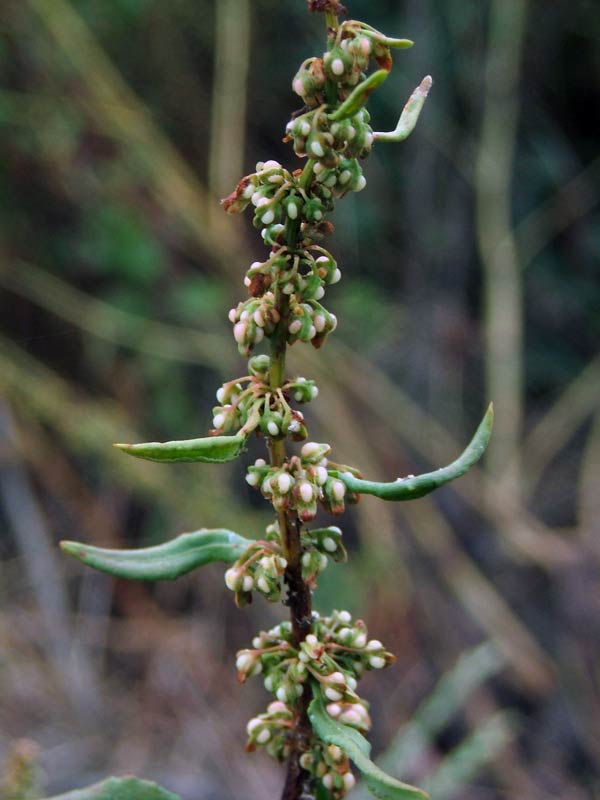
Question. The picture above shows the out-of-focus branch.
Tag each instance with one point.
(117, 109)
(497, 246)
(229, 96)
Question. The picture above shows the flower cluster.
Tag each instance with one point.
(332, 657)
(301, 482)
(247, 404)
(260, 567)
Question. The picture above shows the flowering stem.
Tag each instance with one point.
(299, 599)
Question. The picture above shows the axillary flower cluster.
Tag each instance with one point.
(311, 664)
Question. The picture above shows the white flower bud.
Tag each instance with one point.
(338, 490)
(330, 545)
(239, 332)
(256, 642)
(277, 707)
(335, 752)
(244, 661)
(327, 780)
(360, 640)
(268, 683)
(311, 640)
(322, 562)
(344, 176)
(321, 476)
(320, 293)
(312, 332)
(305, 127)
(338, 677)
(352, 683)
(295, 326)
(252, 479)
(349, 781)
(334, 710)
(248, 583)
(292, 210)
(232, 314)
(360, 184)
(259, 335)
(273, 428)
(218, 420)
(260, 462)
(253, 724)
(284, 482)
(220, 394)
(374, 644)
(333, 694)
(336, 276)
(268, 217)
(306, 559)
(231, 579)
(263, 585)
(337, 66)
(377, 662)
(298, 87)
(281, 694)
(259, 318)
(306, 492)
(264, 736)
(271, 164)
(319, 322)
(316, 148)
(247, 283)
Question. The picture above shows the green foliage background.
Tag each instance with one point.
(117, 267)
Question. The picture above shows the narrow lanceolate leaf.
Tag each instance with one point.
(213, 449)
(166, 561)
(413, 487)
(359, 96)
(358, 750)
(119, 789)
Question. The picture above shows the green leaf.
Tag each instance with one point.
(358, 750)
(410, 114)
(119, 789)
(413, 487)
(211, 449)
(359, 96)
(166, 561)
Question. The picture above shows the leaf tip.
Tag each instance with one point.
(72, 548)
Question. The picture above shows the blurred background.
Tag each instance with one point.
(470, 268)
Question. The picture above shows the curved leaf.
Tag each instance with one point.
(410, 114)
(165, 561)
(358, 750)
(119, 789)
(359, 96)
(413, 487)
(213, 449)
